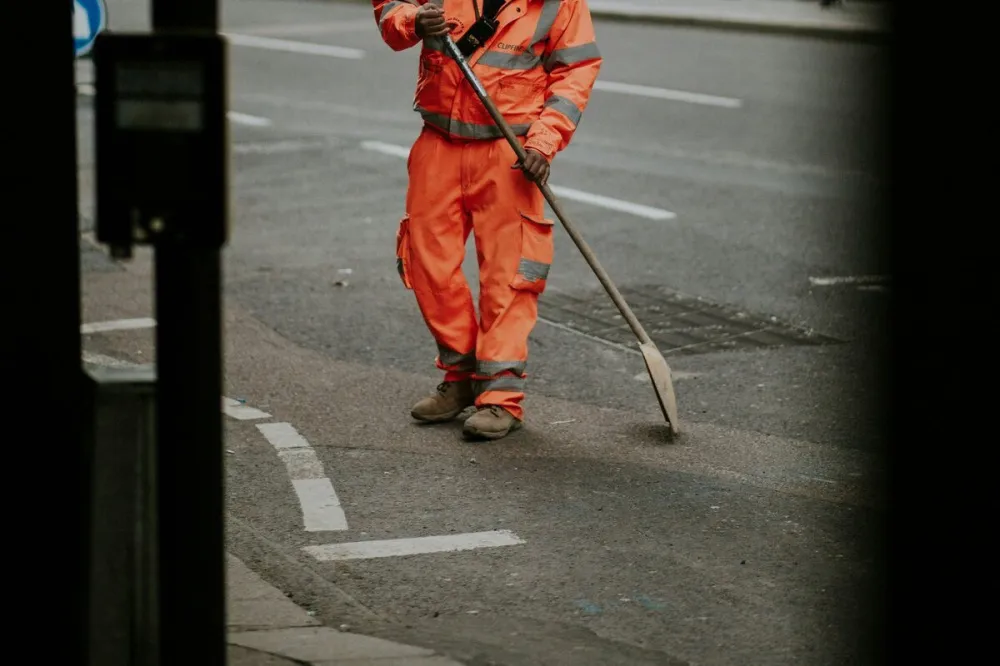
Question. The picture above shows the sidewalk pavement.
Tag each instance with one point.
(267, 629)
(852, 20)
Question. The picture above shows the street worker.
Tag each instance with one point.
(537, 60)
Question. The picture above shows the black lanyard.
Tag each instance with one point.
(483, 29)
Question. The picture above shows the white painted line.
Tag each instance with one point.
(118, 325)
(101, 359)
(237, 410)
(321, 510)
(820, 479)
(323, 28)
(361, 550)
(283, 436)
(310, 48)
(276, 147)
(667, 93)
(612, 204)
(676, 375)
(850, 279)
(386, 148)
(592, 338)
(302, 464)
(247, 119)
(638, 210)
(87, 89)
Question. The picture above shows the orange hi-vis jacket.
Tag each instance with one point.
(538, 68)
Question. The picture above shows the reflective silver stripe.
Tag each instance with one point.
(572, 55)
(510, 60)
(550, 9)
(490, 368)
(452, 358)
(499, 384)
(388, 8)
(527, 58)
(533, 271)
(468, 130)
(565, 107)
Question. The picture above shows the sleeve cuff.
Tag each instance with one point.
(542, 144)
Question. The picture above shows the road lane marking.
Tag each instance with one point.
(361, 550)
(849, 279)
(244, 38)
(118, 325)
(237, 410)
(288, 46)
(101, 359)
(323, 28)
(819, 479)
(386, 148)
(600, 201)
(639, 210)
(592, 338)
(676, 375)
(667, 93)
(247, 119)
(321, 510)
(278, 147)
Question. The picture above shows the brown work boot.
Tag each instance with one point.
(490, 422)
(449, 401)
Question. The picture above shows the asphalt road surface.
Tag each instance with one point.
(735, 178)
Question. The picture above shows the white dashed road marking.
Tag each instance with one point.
(417, 546)
(118, 325)
(247, 119)
(320, 506)
(321, 511)
(639, 210)
(330, 51)
(235, 409)
(668, 94)
(288, 46)
(867, 280)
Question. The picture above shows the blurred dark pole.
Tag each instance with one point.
(46, 454)
(187, 15)
(189, 424)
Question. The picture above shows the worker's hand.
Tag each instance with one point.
(430, 22)
(535, 167)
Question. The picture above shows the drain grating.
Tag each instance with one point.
(678, 324)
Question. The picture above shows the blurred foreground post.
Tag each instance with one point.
(189, 424)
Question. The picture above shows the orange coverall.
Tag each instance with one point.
(539, 69)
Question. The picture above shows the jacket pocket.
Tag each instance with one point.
(519, 92)
(537, 250)
(403, 251)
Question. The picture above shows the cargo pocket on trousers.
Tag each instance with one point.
(537, 249)
(403, 251)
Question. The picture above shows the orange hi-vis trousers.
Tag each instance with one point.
(457, 187)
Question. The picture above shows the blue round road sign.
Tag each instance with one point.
(90, 17)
